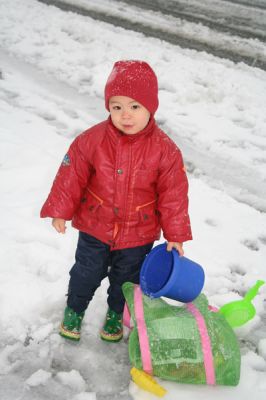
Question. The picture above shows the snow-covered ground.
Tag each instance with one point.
(53, 70)
(228, 30)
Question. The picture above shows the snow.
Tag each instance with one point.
(85, 396)
(53, 69)
(72, 379)
(183, 28)
(262, 348)
(39, 377)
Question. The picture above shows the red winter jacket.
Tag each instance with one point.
(122, 189)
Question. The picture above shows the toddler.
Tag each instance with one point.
(120, 183)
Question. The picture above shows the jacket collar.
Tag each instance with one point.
(111, 129)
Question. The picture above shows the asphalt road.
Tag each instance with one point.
(242, 19)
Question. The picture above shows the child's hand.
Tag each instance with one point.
(59, 224)
(176, 245)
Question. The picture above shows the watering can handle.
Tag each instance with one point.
(253, 291)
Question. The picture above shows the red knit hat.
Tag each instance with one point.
(134, 79)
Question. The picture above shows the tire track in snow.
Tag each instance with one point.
(248, 56)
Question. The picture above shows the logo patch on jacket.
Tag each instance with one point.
(66, 161)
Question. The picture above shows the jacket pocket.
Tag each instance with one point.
(148, 223)
(98, 209)
(87, 212)
(93, 203)
(95, 200)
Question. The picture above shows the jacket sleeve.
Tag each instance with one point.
(69, 183)
(172, 189)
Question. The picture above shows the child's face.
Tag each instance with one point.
(128, 115)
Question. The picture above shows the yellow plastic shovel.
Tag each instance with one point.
(147, 382)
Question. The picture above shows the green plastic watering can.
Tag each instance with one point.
(237, 313)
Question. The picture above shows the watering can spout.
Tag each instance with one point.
(254, 290)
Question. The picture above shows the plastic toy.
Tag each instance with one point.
(186, 344)
(147, 382)
(165, 273)
(237, 313)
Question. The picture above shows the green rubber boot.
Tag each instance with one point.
(112, 330)
(71, 325)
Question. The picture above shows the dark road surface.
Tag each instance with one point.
(243, 19)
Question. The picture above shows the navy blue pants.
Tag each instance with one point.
(95, 261)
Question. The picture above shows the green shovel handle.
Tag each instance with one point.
(253, 291)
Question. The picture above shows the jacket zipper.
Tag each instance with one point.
(144, 205)
(96, 197)
(115, 230)
(127, 188)
(101, 203)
